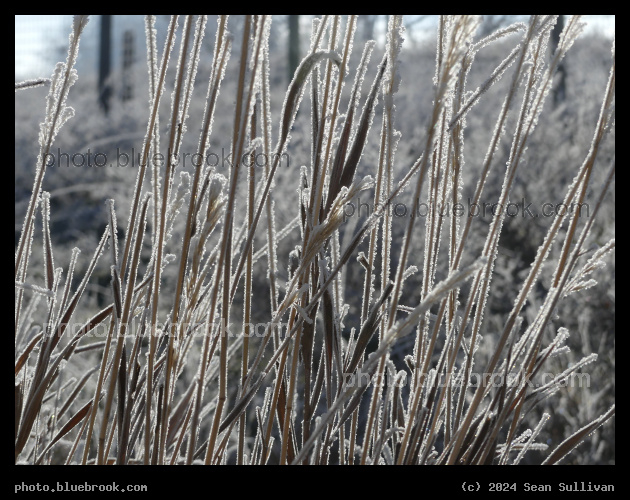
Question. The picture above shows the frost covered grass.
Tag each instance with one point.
(254, 315)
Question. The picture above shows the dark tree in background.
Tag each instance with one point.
(104, 90)
(294, 44)
(559, 91)
(367, 23)
(127, 64)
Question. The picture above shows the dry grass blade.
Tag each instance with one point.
(291, 104)
(18, 401)
(178, 416)
(71, 424)
(56, 115)
(294, 93)
(575, 439)
(242, 403)
(44, 373)
(48, 254)
(339, 162)
(27, 84)
(360, 137)
(330, 338)
(367, 330)
(27, 351)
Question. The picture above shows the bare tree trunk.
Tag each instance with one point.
(368, 27)
(560, 89)
(104, 88)
(128, 58)
(294, 44)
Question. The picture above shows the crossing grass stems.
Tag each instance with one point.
(171, 384)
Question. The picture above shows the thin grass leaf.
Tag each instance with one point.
(71, 424)
(27, 351)
(367, 330)
(576, 438)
